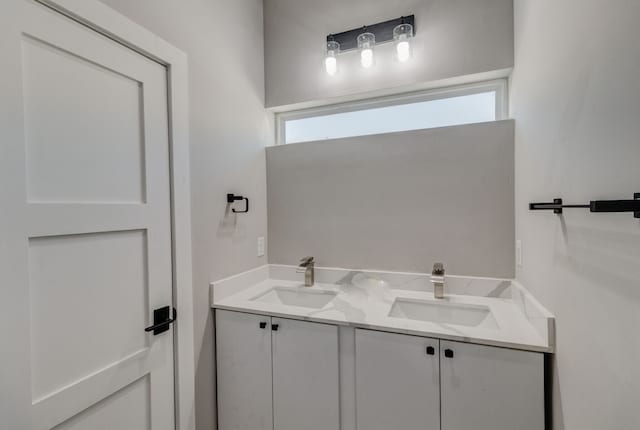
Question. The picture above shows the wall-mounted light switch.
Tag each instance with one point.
(261, 246)
(519, 253)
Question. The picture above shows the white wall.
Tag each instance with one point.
(454, 38)
(229, 129)
(575, 97)
(397, 201)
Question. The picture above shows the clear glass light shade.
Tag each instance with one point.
(366, 43)
(331, 60)
(402, 35)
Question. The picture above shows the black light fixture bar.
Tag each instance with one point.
(599, 206)
(382, 30)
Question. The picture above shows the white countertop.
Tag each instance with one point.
(368, 305)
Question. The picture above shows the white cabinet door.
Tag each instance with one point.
(397, 382)
(85, 248)
(306, 390)
(243, 350)
(487, 388)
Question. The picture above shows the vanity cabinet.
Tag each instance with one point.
(397, 382)
(282, 374)
(306, 375)
(488, 388)
(243, 354)
(276, 373)
(415, 383)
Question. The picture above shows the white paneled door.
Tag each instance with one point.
(85, 253)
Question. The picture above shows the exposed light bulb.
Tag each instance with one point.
(331, 65)
(366, 58)
(331, 61)
(366, 42)
(403, 34)
(403, 50)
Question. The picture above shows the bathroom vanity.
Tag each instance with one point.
(376, 351)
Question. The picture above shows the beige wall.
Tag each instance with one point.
(454, 38)
(398, 201)
(229, 129)
(576, 102)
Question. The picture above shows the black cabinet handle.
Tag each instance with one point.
(274, 327)
(431, 350)
(448, 353)
(263, 325)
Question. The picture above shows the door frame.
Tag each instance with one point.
(104, 20)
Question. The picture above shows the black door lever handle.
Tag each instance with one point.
(161, 320)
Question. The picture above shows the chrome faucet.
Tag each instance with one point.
(307, 265)
(437, 279)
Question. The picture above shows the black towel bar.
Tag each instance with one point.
(599, 206)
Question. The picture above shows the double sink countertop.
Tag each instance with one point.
(495, 312)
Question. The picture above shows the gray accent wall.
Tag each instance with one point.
(398, 201)
(575, 96)
(454, 38)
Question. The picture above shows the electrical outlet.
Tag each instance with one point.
(519, 253)
(261, 246)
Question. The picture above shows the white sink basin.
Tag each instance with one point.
(307, 298)
(444, 313)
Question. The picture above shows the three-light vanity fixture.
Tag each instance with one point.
(400, 31)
